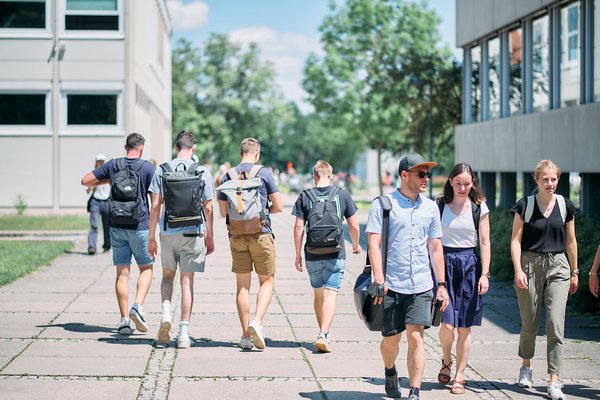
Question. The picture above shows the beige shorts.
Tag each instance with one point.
(188, 252)
(256, 250)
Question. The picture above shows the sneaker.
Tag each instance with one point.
(245, 343)
(413, 396)
(555, 391)
(322, 343)
(106, 249)
(138, 319)
(256, 331)
(525, 377)
(184, 342)
(91, 251)
(163, 331)
(391, 386)
(124, 327)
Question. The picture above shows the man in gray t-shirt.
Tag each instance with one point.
(187, 246)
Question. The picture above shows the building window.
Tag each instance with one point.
(597, 50)
(569, 60)
(29, 14)
(92, 109)
(475, 87)
(515, 79)
(22, 109)
(541, 64)
(92, 15)
(494, 77)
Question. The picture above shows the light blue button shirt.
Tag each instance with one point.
(411, 225)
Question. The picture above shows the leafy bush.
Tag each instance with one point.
(587, 234)
(20, 204)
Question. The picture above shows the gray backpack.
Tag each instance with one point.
(245, 211)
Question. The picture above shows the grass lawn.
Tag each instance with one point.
(44, 222)
(19, 258)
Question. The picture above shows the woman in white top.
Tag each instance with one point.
(465, 222)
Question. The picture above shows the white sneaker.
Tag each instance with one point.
(245, 343)
(526, 377)
(163, 331)
(555, 392)
(184, 342)
(124, 327)
(138, 319)
(322, 343)
(256, 331)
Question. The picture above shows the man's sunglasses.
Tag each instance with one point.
(421, 174)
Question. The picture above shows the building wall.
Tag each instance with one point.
(83, 62)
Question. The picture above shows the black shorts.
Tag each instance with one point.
(401, 309)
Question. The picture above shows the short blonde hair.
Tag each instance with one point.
(248, 145)
(322, 168)
(543, 166)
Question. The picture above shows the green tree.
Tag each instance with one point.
(379, 57)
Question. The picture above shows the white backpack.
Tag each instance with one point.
(245, 211)
(561, 206)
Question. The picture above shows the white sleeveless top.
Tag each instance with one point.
(459, 231)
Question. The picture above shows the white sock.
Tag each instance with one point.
(138, 307)
(183, 328)
(166, 310)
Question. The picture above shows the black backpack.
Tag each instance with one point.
(182, 195)
(124, 202)
(324, 225)
(475, 210)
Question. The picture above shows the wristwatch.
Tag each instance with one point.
(575, 272)
(487, 274)
(442, 284)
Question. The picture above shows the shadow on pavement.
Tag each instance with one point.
(79, 327)
(338, 394)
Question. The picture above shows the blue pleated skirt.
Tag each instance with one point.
(463, 270)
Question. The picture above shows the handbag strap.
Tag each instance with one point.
(386, 206)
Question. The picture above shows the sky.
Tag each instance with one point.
(285, 30)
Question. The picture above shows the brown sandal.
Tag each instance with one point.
(444, 378)
(458, 387)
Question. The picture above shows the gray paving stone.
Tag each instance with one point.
(78, 366)
(9, 348)
(248, 364)
(23, 324)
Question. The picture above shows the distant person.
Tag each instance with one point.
(130, 178)
(465, 223)
(325, 263)
(543, 231)
(251, 242)
(406, 289)
(186, 245)
(593, 282)
(97, 206)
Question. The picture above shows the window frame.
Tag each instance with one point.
(567, 62)
(30, 130)
(92, 130)
(31, 33)
(91, 34)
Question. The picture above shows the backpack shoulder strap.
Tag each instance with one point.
(386, 205)
(529, 208)
(255, 170)
(476, 211)
(194, 169)
(441, 205)
(562, 206)
(334, 192)
(166, 167)
(120, 162)
(138, 165)
(233, 174)
(311, 196)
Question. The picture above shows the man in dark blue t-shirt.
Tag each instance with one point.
(325, 270)
(132, 238)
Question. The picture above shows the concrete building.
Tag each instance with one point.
(531, 90)
(76, 76)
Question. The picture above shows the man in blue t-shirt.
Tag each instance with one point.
(187, 246)
(253, 251)
(325, 270)
(132, 239)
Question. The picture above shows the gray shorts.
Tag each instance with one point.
(188, 252)
(401, 309)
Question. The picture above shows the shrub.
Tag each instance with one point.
(20, 204)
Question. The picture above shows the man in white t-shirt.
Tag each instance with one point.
(97, 206)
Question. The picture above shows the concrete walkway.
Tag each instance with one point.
(58, 340)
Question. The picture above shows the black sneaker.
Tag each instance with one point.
(391, 386)
(91, 251)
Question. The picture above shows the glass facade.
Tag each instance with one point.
(515, 47)
(29, 14)
(494, 77)
(570, 55)
(475, 83)
(540, 64)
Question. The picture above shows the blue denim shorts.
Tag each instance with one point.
(126, 242)
(328, 273)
